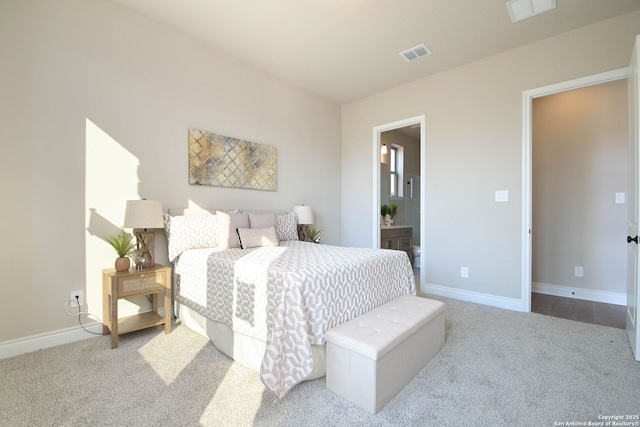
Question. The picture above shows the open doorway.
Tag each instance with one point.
(579, 177)
(570, 266)
(399, 176)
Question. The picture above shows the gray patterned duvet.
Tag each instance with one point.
(290, 295)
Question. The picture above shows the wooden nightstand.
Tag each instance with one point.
(115, 285)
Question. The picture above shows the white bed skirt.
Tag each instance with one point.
(245, 350)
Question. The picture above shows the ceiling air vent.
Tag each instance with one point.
(415, 53)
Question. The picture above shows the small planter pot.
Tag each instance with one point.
(123, 264)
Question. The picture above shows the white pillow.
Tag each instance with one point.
(287, 226)
(227, 224)
(189, 232)
(256, 237)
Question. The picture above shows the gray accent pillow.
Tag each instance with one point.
(262, 220)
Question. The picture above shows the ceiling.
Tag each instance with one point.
(344, 50)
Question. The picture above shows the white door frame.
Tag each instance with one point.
(377, 131)
(527, 214)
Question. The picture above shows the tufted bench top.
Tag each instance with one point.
(380, 330)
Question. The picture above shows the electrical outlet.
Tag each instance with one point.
(464, 272)
(74, 301)
(578, 271)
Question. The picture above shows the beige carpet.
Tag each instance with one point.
(497, 367)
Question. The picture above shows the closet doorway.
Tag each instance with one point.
(579, 155)
(569, 206)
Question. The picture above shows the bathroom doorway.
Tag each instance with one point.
(399, 177)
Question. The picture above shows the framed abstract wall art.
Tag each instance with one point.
(222, 161)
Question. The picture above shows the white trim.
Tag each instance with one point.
(377, 130)
(37, 342)
(527, 215)
(596, 79)
(527, 100)
(463, 295)
(47, 340)
(578, 293)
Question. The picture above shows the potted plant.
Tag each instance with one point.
(313, 235)
(388, 213)
(123, 244)
(393, 209)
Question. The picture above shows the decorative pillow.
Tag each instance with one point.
(262, 220)
(189, 232)
(227, 224)
(167, 223)
(287, 226)
(256, 237)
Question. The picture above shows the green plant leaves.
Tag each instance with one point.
(123, 243)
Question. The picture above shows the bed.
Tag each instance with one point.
(267, 304)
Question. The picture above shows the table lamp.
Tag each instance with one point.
(142, 215)
(305, 218)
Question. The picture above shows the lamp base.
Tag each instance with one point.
(145, 246)
(303, 232)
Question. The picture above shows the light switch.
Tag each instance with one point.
(620, 198)
(502, 195)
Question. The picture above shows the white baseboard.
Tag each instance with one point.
(37, 342)
(486, 299)
(584, 294)
(47, 340)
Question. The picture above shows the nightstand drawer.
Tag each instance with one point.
(141, 283)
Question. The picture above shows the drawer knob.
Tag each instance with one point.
(142, 277)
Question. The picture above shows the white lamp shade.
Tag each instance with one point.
(143, 214)
(305, 214)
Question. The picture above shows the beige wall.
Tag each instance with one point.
(580, 151)
(473, 148)
(95, 103)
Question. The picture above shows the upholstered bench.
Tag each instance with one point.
(372, 357)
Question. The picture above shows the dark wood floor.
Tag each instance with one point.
(583, 311)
